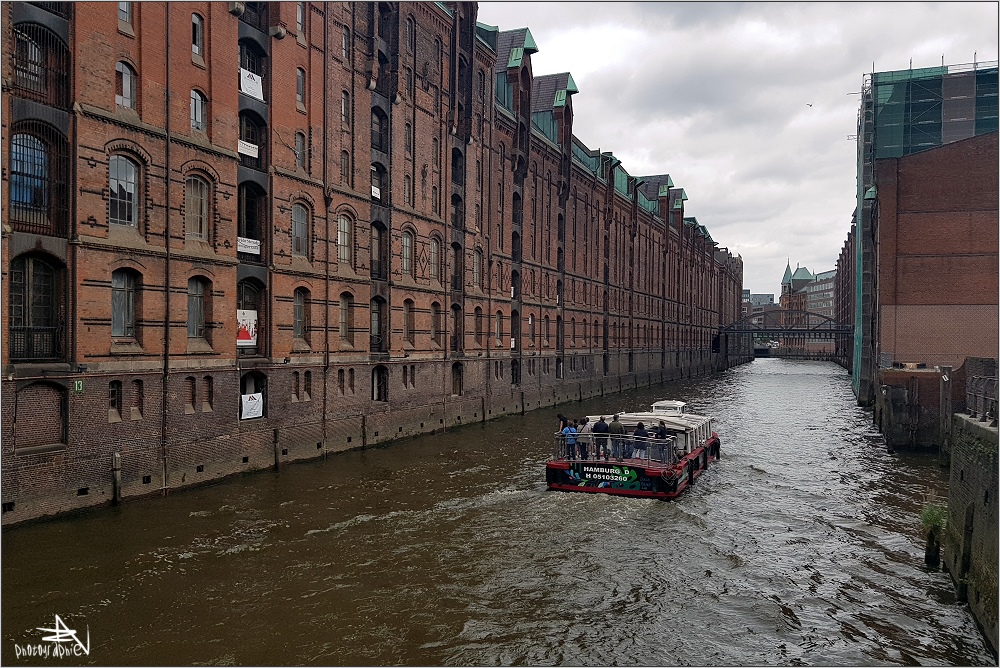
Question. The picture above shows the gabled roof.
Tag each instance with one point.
(550, 90)
(658, 185)
(512, 46)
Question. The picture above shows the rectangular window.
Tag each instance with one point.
(198, 112)
(345, 46)
(300, 17)
(125, 12)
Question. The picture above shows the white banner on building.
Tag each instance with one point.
(246, 148)
(252, 406)
(251, 246)
(246, 328)
(251, 84)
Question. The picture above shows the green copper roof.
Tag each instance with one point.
(787, 278)
(871, 193)
(571, 85)
(516, 54)
(529, 43)
(560, 100)
(664, 190)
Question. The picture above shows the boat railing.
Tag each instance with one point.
(590, 447)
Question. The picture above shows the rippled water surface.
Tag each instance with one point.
(801, 546)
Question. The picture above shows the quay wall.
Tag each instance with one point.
(970, 536)
(51, 483)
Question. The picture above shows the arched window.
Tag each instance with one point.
(251, 222)
(457, 267)
(499, 327)
(123, 183)
(253, 141)
(198, 293)
(345, 45)
(380, 130)
(411, 35)
(380, 383)
(115, 401)
(545, 329)
(379, 251)
(478, 319)
(301, 154)
(199, 111)
(196, 209)
(457, 329)
(531, 329)
(35, 331)
(197, 35)
(346, 317)
(435, 259)
(345, 167)
(300, 86)
(437, 326)
(124, 283)
(380, 184)
(345, 240)
(406, 254)
(345, 108)
(408, 139)
(456, 379)
(477, 269)
(253, 66)
(300, 230)
(41, 65)
(435, 205)
(126, 85)
(37, 179)
(250, 323)
(301, 313)
(253, 395)
(407, 190)
(408, 320)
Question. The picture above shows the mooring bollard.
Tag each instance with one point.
(116, 479)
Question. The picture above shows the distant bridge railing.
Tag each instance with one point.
(789, 323)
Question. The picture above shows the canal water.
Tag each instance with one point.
(801, 546)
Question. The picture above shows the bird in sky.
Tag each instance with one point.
(808, 105)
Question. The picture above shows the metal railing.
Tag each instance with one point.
(35, 343)
(593, 447)
(981, 398)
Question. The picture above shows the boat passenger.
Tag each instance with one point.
(569, 438)
(640, 435)
(617, 431)
(583, 428)
(600, 431)
(563, 421)
(661, 441)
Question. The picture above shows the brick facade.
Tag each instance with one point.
(342, 177)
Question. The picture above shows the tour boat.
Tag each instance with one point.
(661, 470)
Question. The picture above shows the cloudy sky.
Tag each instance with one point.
(747, 106)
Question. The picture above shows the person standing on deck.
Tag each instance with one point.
(569, 438)
(601, 439)
(661, 440)
(583, 428)
(638, 448)
(617, 431)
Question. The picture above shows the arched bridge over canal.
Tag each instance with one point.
(788, 333)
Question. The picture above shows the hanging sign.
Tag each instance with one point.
(251, 84)
(246, 328)
(246, 148)
(244, 245)
(252, 406)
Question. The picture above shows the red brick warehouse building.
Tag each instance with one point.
(320, 226)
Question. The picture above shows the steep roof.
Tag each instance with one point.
(550, 91)
(787, 278)
(512, 45)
